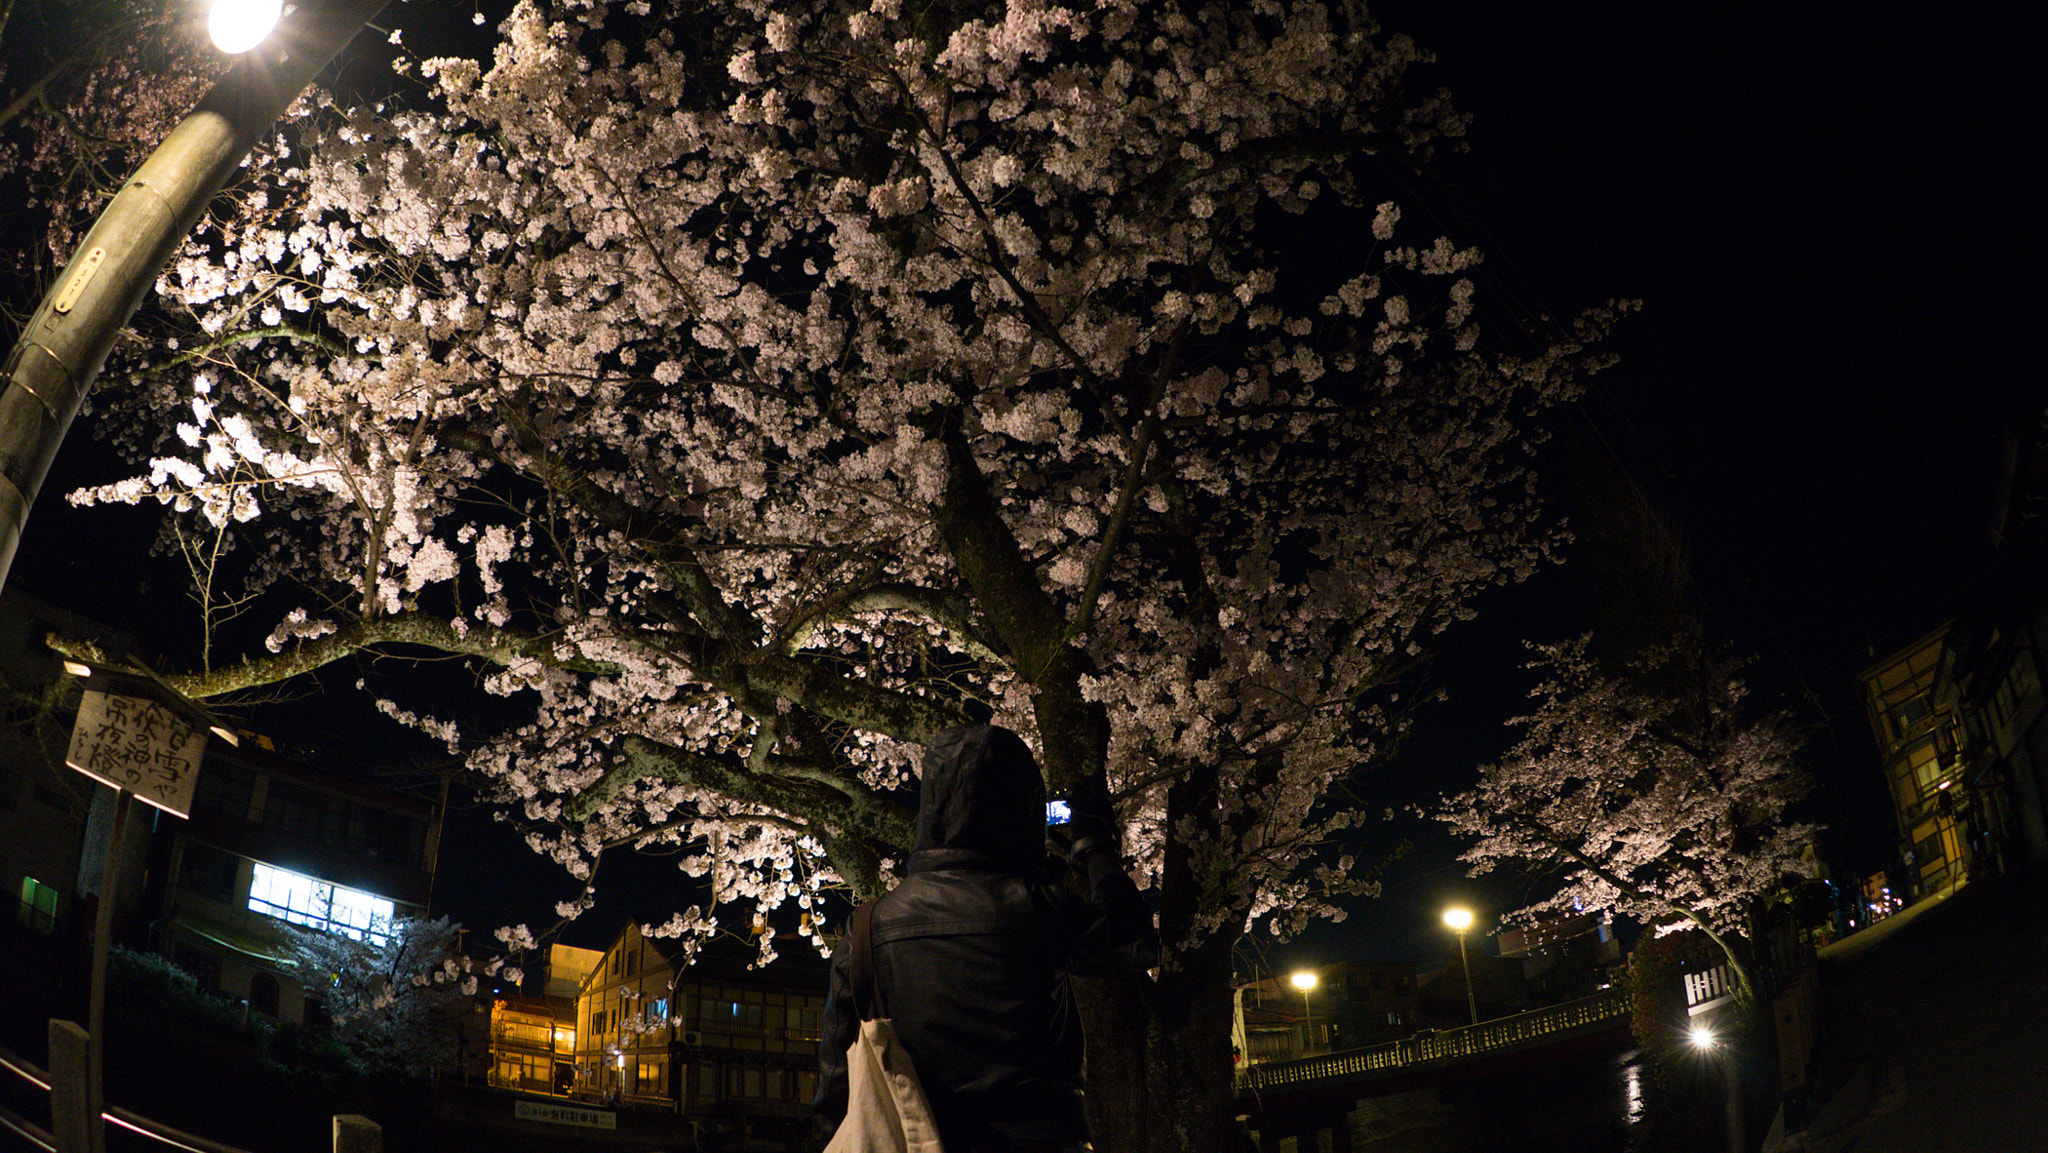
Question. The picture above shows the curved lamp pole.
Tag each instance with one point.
(1305, 980)
(59, 353)
(1460, 919)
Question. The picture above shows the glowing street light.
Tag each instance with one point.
(1707, 1042)
(1305, 980)
(1459, 919)
(58, 353)
(239, 25)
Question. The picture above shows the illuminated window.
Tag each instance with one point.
(319, 905)
(651, 1073)
(38, 906)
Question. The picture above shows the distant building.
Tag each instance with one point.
(1960, 714)
(1995, 662)
(1918, 739)
(1566, 955)
(533, 1039)
(732, 1048)
(43, 804)
(1350, 1005)
(269, 841)
(1498, 989)
(273, 841)
(1963, 733)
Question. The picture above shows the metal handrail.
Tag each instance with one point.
(125, 1118)
(35, 1134)
(157, 1130)
(28, 1071)
(1464, 1041)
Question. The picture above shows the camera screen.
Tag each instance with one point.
(1058, 813)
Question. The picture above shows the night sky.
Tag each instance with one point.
(1821, 211)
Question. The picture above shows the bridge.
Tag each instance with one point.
(1306, 1097)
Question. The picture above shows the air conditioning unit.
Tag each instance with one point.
(692, 1038)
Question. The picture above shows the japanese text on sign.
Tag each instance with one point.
(565, 1115)
(140, 746)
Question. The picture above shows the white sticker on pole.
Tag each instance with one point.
(140, 746)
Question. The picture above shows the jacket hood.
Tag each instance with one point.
(982, 792)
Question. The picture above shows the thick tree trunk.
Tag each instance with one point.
(1159, 1058)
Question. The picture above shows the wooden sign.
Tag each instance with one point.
(140, 746)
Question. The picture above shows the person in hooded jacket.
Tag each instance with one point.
(973, 950)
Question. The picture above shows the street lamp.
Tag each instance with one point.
(239, 25)
(1305, 980)
(1459, 919)
(60, 350)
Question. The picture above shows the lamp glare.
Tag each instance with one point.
(1304, 980)
(1702, 1037)
(239, 25)
(1459, 920)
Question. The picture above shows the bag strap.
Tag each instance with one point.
(860, 965)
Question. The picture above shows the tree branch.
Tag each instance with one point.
(497, 645)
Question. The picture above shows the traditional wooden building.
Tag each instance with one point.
(733, 1048)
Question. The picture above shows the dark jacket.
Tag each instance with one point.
(973, 950)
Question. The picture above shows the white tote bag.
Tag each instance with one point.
(886, 1110)
(885, 1106)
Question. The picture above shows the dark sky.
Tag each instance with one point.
(1820, 207)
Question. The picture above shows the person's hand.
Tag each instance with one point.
(1094, 821)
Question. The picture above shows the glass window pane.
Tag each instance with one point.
(302, 900)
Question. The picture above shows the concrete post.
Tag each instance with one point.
(355, 1133)
(1340, 1132)
(74, 1121)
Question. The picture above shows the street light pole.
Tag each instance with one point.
(59, 353)
(1460, 919)
(1305, 980)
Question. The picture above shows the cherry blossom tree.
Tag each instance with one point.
(1658, 791)
(395, 996)
(746, 392)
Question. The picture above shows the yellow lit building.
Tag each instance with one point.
(530, 1050)
(533, 1040)
(733, 1048)
(1919, 741)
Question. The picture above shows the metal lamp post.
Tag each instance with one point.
(1460, 919)
(1305, 980)
(1705, 1040)
(60, 351)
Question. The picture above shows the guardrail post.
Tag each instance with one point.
(74, 1115)
(355, 1133)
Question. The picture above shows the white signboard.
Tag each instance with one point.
(565, 1115)
(140, 746)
